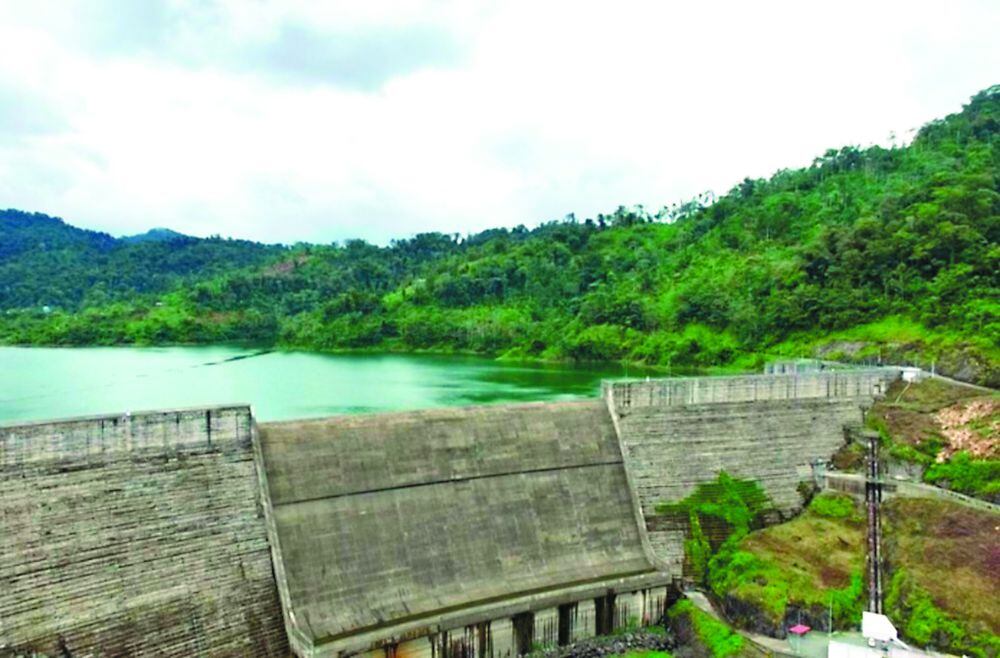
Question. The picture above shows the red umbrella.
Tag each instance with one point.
(799, 629)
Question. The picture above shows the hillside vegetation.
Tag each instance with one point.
(807, 570)
(767, 578)
(868, 253)
(703, 636)
(942, 567)
(946, 435)
(45, 262)
(943, 570)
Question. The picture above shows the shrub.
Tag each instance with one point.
(833, 506)
(962, 473)
(720, 640)
(739, 504)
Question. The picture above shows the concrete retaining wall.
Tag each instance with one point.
(135, 535)
(854, 484)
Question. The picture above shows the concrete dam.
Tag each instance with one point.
(470, 531)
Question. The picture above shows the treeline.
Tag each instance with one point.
(868, 253)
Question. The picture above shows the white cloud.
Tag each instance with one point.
(284, 122)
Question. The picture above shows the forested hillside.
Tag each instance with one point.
(868, 253)
(46, 262)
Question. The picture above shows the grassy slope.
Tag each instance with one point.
(797, 569)
(944, 574)
(943, 570)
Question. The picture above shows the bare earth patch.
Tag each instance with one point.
(932, 410)
(973, 426)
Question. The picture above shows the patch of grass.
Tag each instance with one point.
(929, 395)
(943, 565)
(813, 561)
(905, 414)
(631, 626)
(833, 507)
(720, 640)
(907, 453)
(907, 408)
(540, 648)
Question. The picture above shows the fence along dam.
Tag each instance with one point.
(465, 531)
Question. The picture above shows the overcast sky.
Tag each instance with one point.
(320, 121)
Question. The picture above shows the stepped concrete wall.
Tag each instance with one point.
(135, 535)
(409, 532)
(678, 433)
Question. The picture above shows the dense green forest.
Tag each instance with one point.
(45, 262)
(874, 253)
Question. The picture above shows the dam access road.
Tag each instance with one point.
(466, 531)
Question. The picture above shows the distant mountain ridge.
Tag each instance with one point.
(22, 232)
(155, 235)
(46, 262)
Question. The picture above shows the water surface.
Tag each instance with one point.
(42, 383)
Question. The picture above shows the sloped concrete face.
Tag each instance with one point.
(135, 535)
(401, 525)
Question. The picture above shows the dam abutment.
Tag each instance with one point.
(675, 434)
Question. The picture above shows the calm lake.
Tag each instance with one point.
(44, 383)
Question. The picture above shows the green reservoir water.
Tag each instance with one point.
(43, 383)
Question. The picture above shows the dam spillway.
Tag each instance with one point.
(478, 531)
(433, 517)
